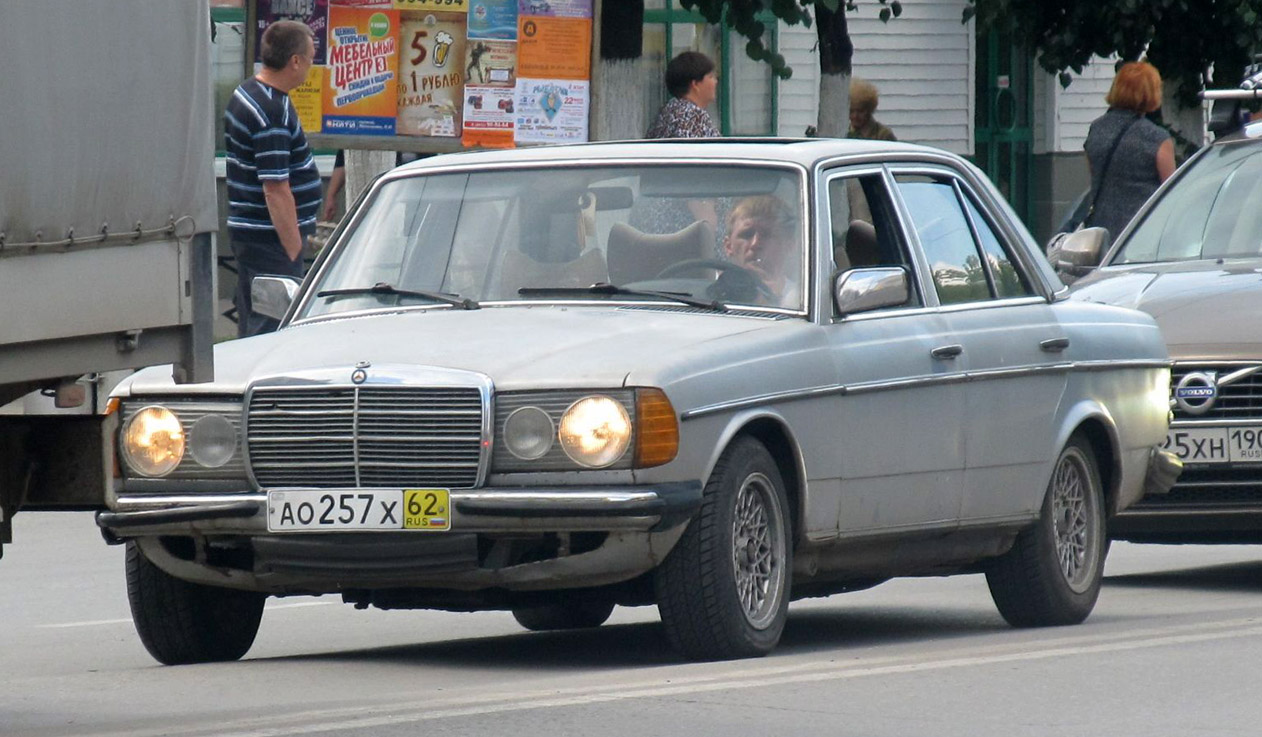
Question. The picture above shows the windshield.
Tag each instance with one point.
(1214, 211)
(724, 234)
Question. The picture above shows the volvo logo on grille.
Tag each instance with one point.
(1196, 392)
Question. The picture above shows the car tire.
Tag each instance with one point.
(181, 622)
(572, 616)
(723, 591)
(1052, 574)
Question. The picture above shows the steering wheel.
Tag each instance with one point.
(734, 284)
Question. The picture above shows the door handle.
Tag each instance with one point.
(1054, 345)
(947, 351)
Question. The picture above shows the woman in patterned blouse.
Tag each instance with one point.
(693, 85)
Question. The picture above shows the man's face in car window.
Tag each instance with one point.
(759, 239)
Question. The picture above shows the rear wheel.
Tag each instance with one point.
(181, 622)
(1052, 574)
(570, 616)
(723, 591)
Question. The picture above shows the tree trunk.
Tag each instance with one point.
(361, 168)
(835, 54)
(1188, 122)
(617, 92)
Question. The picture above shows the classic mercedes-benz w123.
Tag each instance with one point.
(710, 376)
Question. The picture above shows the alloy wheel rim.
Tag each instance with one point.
(1075, 521)
(758, 550)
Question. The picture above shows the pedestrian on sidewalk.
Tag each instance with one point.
(273, 182)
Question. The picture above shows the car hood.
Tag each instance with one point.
(542, 346)
(1206, 309)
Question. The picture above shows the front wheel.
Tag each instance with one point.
(723, 591)
(181, 622)
(1052, 574)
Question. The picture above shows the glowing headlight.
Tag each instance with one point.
(595, 431)
(529, 433)
(212, 441)
(153, 441)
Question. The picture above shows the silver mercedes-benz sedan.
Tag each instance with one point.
(711, 376)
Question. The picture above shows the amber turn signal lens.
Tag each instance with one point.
(657, 434)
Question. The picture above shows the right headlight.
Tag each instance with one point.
(153, 441)
(181, 439)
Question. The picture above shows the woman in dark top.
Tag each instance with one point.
(1128, 155)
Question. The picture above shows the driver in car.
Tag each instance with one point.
(761, 240)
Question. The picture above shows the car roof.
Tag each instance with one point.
(804, 151)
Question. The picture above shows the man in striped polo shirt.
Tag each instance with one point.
(273, 183)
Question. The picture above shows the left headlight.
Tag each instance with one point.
(595, 431)
(573, 430)
(153, 441)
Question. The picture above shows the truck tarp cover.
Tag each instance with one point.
(103, 118)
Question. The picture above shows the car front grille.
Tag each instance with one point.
(1239, 400)
(1211, 488)
(376, 436)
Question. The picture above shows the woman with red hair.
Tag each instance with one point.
(1128, 155)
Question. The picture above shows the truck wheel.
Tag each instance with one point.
(1052, 575)
(723, 591)
(572, 616)
(181, 622)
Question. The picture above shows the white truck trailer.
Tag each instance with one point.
(107, 220)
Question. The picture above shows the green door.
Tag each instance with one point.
(1005, 109)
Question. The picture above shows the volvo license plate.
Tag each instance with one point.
(1229, 444)
(335, 510)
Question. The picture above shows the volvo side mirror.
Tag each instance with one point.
(1078, 252)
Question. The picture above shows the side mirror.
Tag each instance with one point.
(1078, 252)
(864, 290)
(272, 295)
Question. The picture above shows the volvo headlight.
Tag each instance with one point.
(153, 441)
(595, 431)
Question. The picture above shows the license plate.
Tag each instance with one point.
(306, 510)
(1216, 444)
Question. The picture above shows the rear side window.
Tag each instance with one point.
(967, 260)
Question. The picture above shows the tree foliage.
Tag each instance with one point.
(1184, 39)
(744, 17)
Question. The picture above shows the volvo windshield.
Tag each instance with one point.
(1213, 211)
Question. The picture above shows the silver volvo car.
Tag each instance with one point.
(711, 376)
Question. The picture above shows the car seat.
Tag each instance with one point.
(636, 256)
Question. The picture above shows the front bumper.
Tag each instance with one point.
(486, 510)
(1207, 504)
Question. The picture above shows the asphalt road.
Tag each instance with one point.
(1172, 649)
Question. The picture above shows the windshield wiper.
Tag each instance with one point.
(383, 288)
(603, 288)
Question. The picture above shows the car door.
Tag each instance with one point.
(898, 460)
(1009, 343)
